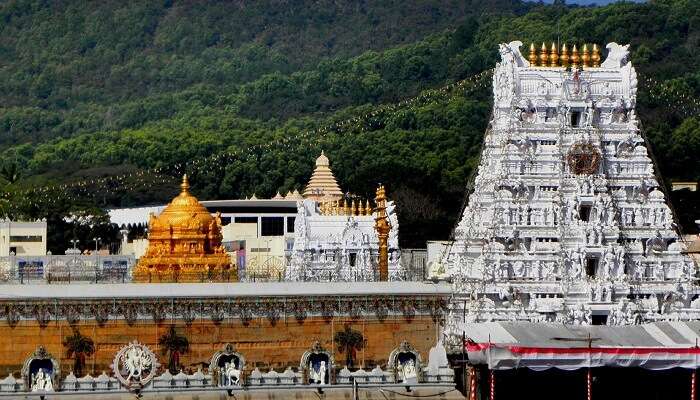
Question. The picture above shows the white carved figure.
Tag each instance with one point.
(617, 55)
(231, 373)
(409, 370)
(317, 373)
(136, 362)
(41, 382)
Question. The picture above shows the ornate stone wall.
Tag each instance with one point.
(264, 345)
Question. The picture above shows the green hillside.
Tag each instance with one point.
(244, 96)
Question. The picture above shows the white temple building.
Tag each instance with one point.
(566, 221)
(334, 235)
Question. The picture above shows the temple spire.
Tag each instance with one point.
(185, 185)
(322, 184)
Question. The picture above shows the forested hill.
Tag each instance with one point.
(141, 91)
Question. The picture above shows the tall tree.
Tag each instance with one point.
(78, 347)
(348, 341)
(173, 344)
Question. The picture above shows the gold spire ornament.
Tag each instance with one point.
(368, 208)
(586, 57)
(543, 55)
(382, 226)
(553, 56)
(564, 58)
(574, 57)
(532, 57)
(595, 56)
(184, 244)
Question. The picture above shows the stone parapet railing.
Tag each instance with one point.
(202, 380)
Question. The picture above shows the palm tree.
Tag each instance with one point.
(175, 345)
(78, 347)
(348, 340)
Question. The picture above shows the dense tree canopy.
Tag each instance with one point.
(117, 88)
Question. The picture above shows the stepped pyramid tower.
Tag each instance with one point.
(566, 221)
(322, 185)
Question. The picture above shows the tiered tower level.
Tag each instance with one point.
(566, 221)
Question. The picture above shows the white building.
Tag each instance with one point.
(334, 236)
(566, 221)
(23, 238)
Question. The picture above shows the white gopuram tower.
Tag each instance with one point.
(566, 221)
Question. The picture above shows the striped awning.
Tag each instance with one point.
(539, 346)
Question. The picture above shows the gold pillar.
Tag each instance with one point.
(381, 224)
(544, 57)
(586, 56)
(532, 57)
(574, 58)
(595, 56)
(564, 56)
(553, 56)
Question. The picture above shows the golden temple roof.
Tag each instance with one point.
(184, 244)
(322, 183)
(184, 209)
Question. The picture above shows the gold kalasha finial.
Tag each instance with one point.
(564, 58)
(543, 55)
(368, 208)
(532, 57)
(574, 57)
(585, 57)
(595, 56)
(185, 185)
(553, 56)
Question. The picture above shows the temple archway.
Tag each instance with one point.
(227, 365)
(317, 365)
(40, 371)
(406, 364)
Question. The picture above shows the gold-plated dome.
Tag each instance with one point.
(184, 209)
(184, 244)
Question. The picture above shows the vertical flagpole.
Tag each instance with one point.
(493, 385)
(588, 384)
(692, 385)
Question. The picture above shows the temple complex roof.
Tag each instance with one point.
(322, 183)
(221, 290)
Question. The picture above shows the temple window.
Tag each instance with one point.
(272, 226)
(575, 119)
(290, 224)
(591, 266)
(599, 319)
(584, 213)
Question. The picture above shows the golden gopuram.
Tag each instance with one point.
(184, 245)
